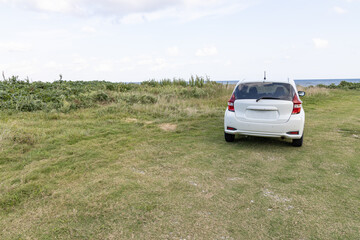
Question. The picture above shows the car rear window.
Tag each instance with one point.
(281, 91)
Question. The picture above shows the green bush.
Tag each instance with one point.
(143, 99)
(193, 92)
(146, 99)
(151, 83)
(101, 96)
(29, 104)
(345, 85)
(349, 85)
(61, 95)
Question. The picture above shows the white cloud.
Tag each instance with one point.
(144, 60)
(134, 11)
(20, 68)
(320, 43)
(14, 47)
(53, 65)
(79, 63)
(42, 34)
(228, 63)
(151, 62)
(54, 6)
(134, 18)
(173, 51)
(207, 51)
(106, 66)
(339, 10)
(88, 29)
(183, 12)
(59, 6)
(159, 64)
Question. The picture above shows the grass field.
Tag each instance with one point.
(162, 170)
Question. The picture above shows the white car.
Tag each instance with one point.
(265, 109)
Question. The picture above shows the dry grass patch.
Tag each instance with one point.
(310, 91)
(18, 135)
(134, 120)
(131, 120)
(168, 126)
(191, 111)
(4, 134)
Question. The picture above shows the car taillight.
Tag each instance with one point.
(231, 103)
(293, 133)
(297, 105)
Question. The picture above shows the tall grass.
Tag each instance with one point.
(311, 91)
(26, 96)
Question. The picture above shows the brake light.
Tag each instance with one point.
(293, 133)
(297, 105)
(231, 104)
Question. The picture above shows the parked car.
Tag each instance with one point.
(265, 109)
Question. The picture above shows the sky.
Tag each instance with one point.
(137, 40)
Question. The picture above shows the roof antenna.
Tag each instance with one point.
(264, 76)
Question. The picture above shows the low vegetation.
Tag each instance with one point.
(63, 96)
(342, 85)
(103, 160)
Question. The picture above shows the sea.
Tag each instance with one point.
(308, 82)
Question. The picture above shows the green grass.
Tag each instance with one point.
(118, 171)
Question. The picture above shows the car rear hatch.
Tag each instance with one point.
(264, 102)
(264, 111)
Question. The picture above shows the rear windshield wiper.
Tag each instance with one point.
(266, 98)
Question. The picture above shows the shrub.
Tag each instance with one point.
(101, 96)
(150, 83)
(25, 96)
(29, 104)
(143, 99)
(345, 85)
(146, 99)
(194, 92)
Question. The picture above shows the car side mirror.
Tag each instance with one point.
(301, 93)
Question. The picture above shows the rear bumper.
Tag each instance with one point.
(295, 123)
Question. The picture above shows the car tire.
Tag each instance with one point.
(229, 137)
(298, 142)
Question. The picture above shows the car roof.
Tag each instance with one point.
(290, 81)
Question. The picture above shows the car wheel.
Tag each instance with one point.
(229, 137)
(298, 142)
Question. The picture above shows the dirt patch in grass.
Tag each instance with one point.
(191, 111)
(134, 120)
(168, 126)
(131, 120)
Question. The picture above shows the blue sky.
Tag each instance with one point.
(123, 40)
